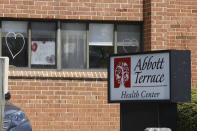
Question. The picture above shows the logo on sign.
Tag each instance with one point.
(122, 72)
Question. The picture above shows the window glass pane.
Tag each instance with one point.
(43, 44)
(43, 30)
(98, 56)
(73, 45)
(128, 38)
(14, 26)
(101, 34)
(15, 42)
(100, 44)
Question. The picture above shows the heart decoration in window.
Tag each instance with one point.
(12, 39)
(34, 47)
(43, 42)
(50, 59)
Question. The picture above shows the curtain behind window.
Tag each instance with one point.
(73, 45)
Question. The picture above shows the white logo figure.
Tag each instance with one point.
(122, 73)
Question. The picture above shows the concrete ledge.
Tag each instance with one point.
(53, 74)
(157, 129)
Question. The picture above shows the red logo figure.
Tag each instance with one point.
(122, 72)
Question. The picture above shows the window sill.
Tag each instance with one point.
(56, 74)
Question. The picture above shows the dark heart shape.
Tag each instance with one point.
(15, 43)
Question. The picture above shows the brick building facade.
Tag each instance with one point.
(57, 97)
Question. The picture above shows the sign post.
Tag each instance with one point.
(4, 62)
(148, 86)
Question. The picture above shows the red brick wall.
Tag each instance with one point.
(174, 26)
(147, 25)
(78, 100)
(73, 9)
(65, 100)
(54, 102)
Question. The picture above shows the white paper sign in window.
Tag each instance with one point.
(43, 52)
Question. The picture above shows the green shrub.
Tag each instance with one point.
(187, 113)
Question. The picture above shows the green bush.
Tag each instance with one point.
(187, 113)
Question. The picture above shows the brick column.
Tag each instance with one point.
(172, 24)
(147, 24)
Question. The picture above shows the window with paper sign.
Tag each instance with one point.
(43, 43)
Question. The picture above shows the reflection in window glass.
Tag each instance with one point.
(128, 38)
(43, 44)
(99, 55)
(73, 45)
(100, 44)
(14, 42)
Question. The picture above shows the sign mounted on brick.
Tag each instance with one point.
(150, 76)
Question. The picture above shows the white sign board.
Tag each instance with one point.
(139, 77)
